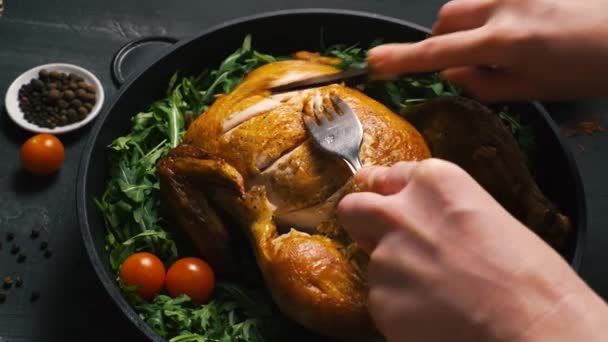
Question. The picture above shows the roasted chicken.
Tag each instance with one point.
(472, 136)
(250, 162)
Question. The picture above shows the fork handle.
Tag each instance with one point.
(354, 164)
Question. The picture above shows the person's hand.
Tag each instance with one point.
(512, 49)
(447, 263)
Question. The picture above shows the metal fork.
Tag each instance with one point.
(337, 132)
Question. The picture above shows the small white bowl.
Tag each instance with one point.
(11, 100)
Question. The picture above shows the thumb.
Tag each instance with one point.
(492, 85)
(367, 218)
(385, 180)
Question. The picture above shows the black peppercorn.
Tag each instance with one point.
(51, 85)
(7, 283)
(75, 103)
(35, 233)
(2, 297)
(43, 245)
(48, 254)
(73, 85)
(43, 73)
(38, 84)
(34, 296)
(53, 95)
(68, 95)
(82, 111)
(88, 97)
(54, 75)
(15, 249)
(90, 88)
(21, 258)
(18, 281)
(10, 236)
(72, 115)
(81, 94)
(62, 104)
(88, 106)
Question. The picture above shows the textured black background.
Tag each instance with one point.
(72, 305)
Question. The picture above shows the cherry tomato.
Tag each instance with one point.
(191, 276)
(42, 154)
(144, 270)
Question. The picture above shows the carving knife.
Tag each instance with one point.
(349, 76)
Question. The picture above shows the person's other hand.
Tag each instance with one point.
(502, 50)
(447, 263)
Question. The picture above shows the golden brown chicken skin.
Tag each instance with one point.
(249, 160)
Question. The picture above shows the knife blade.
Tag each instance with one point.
(349, 76)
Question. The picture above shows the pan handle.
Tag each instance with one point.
(135, 54)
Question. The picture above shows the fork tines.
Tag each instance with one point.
(336, 129)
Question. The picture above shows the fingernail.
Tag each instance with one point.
(387, 59)
(365, 176)
(378, 55)
(434, 28)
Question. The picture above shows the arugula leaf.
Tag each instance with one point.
(224, 318)
(189, 338)
(352, 56)
(158, 239)
(523, 134)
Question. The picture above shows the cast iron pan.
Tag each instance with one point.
(282, 33)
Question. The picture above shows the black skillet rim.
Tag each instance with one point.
(108, 281)
(118, 61)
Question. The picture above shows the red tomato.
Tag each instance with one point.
(144, 270)
(192, 277)
(42, 154)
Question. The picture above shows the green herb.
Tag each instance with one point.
(234, 314)
(523, 134)
(352, 56)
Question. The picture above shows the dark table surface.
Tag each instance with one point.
(72, 303)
